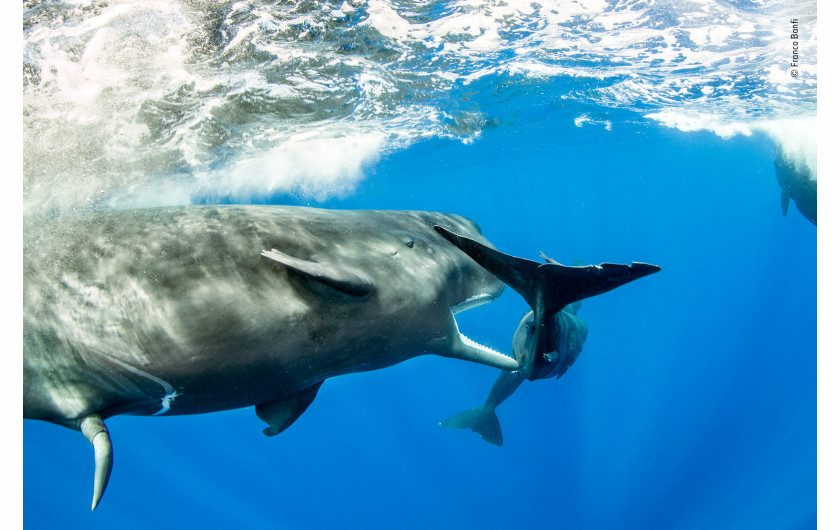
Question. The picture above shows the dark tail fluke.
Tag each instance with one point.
(549, 287)
(480, 420)
(560, 285)
(519, 274)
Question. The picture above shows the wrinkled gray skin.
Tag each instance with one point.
(567, 332)
(797, 184)
(188, 310)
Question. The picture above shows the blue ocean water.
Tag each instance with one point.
(693, 403)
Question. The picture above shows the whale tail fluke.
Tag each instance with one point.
(551, 286)
(479, 419)
(547, 287)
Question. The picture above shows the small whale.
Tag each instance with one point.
(547, 341)
(568, 334)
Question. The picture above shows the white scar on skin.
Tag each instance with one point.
(170, 393)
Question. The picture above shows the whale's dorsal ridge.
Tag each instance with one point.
(338, 279)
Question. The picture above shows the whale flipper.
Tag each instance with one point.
(97, 434)
(481, 420)
(340, 280)
(283, 412)
(785, 200)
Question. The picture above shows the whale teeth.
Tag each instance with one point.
(470, 350)
(473, 344)
(459, 346)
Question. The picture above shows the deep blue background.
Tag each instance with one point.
(693, 404)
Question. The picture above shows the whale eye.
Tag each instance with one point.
(407, 239)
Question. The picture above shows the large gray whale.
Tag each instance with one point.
(189, 310)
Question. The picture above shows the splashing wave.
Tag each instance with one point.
(164, 102)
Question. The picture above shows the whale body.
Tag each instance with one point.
(197, 309)
(201, 309)
(191, 310)
(798, 183)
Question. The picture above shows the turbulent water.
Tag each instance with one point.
(164, 102)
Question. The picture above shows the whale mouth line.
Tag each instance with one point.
(472, 302)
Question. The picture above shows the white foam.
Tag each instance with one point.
(318, 163)
(700, 122)
(389, 23)
(315, 164)
(586, 119)
(162, 101)
(795, 137)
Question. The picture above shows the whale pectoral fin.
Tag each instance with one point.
(97, 434)
(343, 281)
(785, 200)
(283, 412)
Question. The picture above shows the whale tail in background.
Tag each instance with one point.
(482, 420)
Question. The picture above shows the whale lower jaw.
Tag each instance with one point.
(462, 347)
(468, 350)
(468, 342)
(498, 359)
